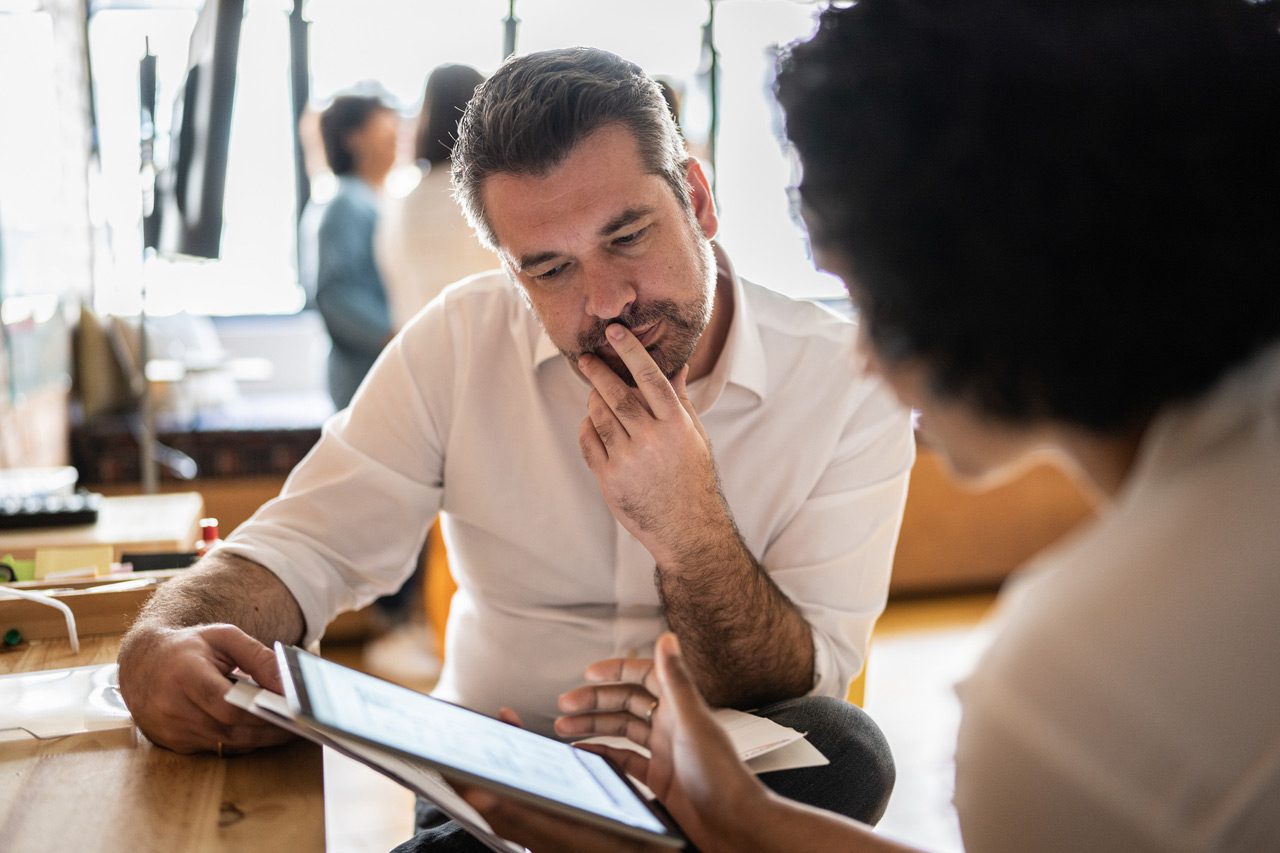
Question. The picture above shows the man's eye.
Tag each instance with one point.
(551, 273)
(629, 239)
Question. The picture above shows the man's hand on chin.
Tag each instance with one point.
(650, 453)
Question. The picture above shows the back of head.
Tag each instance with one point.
(343, 117)
(449, 88)
(527, 117)
(1067, 210)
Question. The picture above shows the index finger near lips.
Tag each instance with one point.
(652, 383)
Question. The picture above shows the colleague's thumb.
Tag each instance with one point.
(675, 683)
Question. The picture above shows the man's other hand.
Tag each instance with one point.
(173, 680)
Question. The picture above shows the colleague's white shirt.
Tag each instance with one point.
(472, 410)
(423, 243)
(1131, 700)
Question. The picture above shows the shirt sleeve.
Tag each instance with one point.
(352, 517)
(349, 290)
(834, 557)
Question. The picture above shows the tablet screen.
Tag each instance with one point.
(479, 746)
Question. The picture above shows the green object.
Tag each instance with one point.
(12, 637)
(24, 570)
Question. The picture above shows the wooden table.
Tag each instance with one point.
(114, 791)
(137, 523)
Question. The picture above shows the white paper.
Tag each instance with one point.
(762, 744)
(58, 702)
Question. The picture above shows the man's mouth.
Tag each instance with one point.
(648, 334)
(645, 334)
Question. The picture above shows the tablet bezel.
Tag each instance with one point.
(297, 696)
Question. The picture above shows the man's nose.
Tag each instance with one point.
(608, 295)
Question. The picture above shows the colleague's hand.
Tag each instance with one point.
(173, 680)
(694, 770)
(649, 451)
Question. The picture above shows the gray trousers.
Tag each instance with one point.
(856, 783)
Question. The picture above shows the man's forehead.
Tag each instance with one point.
(600, 187)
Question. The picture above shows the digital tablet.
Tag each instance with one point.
(468, 746)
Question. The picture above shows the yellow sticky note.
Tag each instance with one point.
(85, 561)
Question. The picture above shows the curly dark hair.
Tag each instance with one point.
(1065, 210)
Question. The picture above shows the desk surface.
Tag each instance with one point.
(114, 791)
(135, 523)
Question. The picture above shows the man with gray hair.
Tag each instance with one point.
(717, 490)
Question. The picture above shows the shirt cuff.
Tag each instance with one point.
(316, 609)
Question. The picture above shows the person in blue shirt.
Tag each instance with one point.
(359, 135)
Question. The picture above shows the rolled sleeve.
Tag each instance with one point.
(350, 522)
(835, 555)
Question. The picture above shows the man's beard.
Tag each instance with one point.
(682, 326)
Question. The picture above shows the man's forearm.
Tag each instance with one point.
(224, 588)
(745, 641)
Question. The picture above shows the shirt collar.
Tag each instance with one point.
(742, 347)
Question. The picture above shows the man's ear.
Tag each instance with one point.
(704, 205)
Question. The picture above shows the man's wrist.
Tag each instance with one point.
(711, 541)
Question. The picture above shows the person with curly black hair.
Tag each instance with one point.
(1060, 225)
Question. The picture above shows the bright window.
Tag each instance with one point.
(257, 271)
(396, 43)
(33, 247)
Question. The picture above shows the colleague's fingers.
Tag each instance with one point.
(674, 683)
(510, 717)
(626, 760)
(650, 381)
(635, 670)
(620, 696)
(615, 723)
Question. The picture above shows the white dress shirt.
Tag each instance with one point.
(472, 411)
(1131, 699)
(423, 244)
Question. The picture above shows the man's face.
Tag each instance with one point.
(598, 241)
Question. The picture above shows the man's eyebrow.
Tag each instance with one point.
(533, 260)
(623, 219)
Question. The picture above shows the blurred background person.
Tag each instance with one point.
(359, 133)
(423, 243)
(359, 136)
